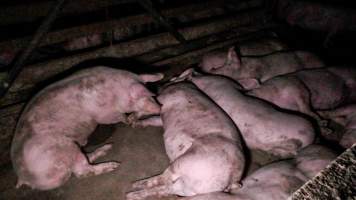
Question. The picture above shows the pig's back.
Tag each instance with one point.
(193, 117)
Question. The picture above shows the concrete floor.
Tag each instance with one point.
(140, 151)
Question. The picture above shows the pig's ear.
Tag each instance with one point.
(232, 58)
(249, 83)
(138, 91)
(151, 77)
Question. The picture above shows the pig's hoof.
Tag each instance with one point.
(132, 120)
(233, 186)
(111, 166)
(136, 195)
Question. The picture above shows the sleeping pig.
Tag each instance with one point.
(277, 181)
(262, 126)
(260, 68)
(309, 89)
(46, 150)
(202, 143)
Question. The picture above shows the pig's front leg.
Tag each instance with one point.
(99, 152)
(82, 168)
(151, 121)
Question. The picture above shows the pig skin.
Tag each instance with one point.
(260, 68)
(302, 91)
(277, 181)
(45, 149)
(262, 126)
(346, 116)
(202, 143)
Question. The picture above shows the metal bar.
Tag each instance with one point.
(188, 13)
(41, 31)
(33, 11)
(147, 4)
(41, 71)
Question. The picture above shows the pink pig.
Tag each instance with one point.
(46, 151)
(202, 143)
(309, 89)
(278, 180)
(259, 68)
(262, 126)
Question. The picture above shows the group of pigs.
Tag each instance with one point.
(262, 99)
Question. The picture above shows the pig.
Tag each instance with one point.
(308, 90)
(262, 126)
(277, 181)
(317, 17)
(285, 180)
(83, 42)
(313, 158)
(259, 68)
(45, 150)
(202, 143)
(346, 116)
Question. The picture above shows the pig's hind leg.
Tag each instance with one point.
(152, 181)
(82, 167)
(158, 191)
(151, 121)
(159, 185)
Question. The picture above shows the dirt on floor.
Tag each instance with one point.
(140, 151)
(141, 154)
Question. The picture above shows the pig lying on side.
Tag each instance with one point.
(305, 90)
(258, 68)
(45, 150)
(262, 126)
(202, 143)
(277, 181)
(346, 116)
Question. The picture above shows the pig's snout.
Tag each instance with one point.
(147, 107)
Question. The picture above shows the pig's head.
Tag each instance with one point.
(221, 63)
(142, 101)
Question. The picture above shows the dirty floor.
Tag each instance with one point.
(141, 154)
(140, 151)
